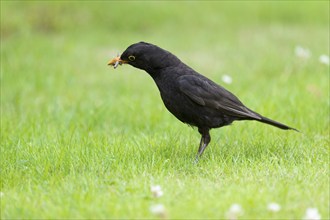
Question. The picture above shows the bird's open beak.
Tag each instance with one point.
(116, 61)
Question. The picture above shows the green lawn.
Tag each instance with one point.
(81, 140)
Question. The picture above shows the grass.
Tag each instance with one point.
(80, 140)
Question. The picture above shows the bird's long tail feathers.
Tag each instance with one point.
(275, 123)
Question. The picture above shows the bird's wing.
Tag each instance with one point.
(204, 92)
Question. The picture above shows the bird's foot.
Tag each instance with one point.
(196, 159)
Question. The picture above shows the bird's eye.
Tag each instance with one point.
(131, 58)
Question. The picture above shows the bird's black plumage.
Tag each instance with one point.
(188, 95)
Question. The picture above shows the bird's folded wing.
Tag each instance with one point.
(204, 92)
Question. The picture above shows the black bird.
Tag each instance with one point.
(189, 96)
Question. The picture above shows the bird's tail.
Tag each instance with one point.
(275, 123)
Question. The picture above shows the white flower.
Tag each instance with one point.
(234, 211)
(312, 214)
(324, 59)
(302, 52)
(227, 79)
(235, 208)
(274, 207)
(159, 210)
(156, 191)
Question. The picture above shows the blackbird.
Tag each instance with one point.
(189, 96)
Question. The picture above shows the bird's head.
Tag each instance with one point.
(145, 56)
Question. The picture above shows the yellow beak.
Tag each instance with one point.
(116, 61)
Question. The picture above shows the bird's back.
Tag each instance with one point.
(198, 101)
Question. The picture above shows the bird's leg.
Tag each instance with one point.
(205, 140)
(199, 149)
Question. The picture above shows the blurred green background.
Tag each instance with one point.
(78, 136)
